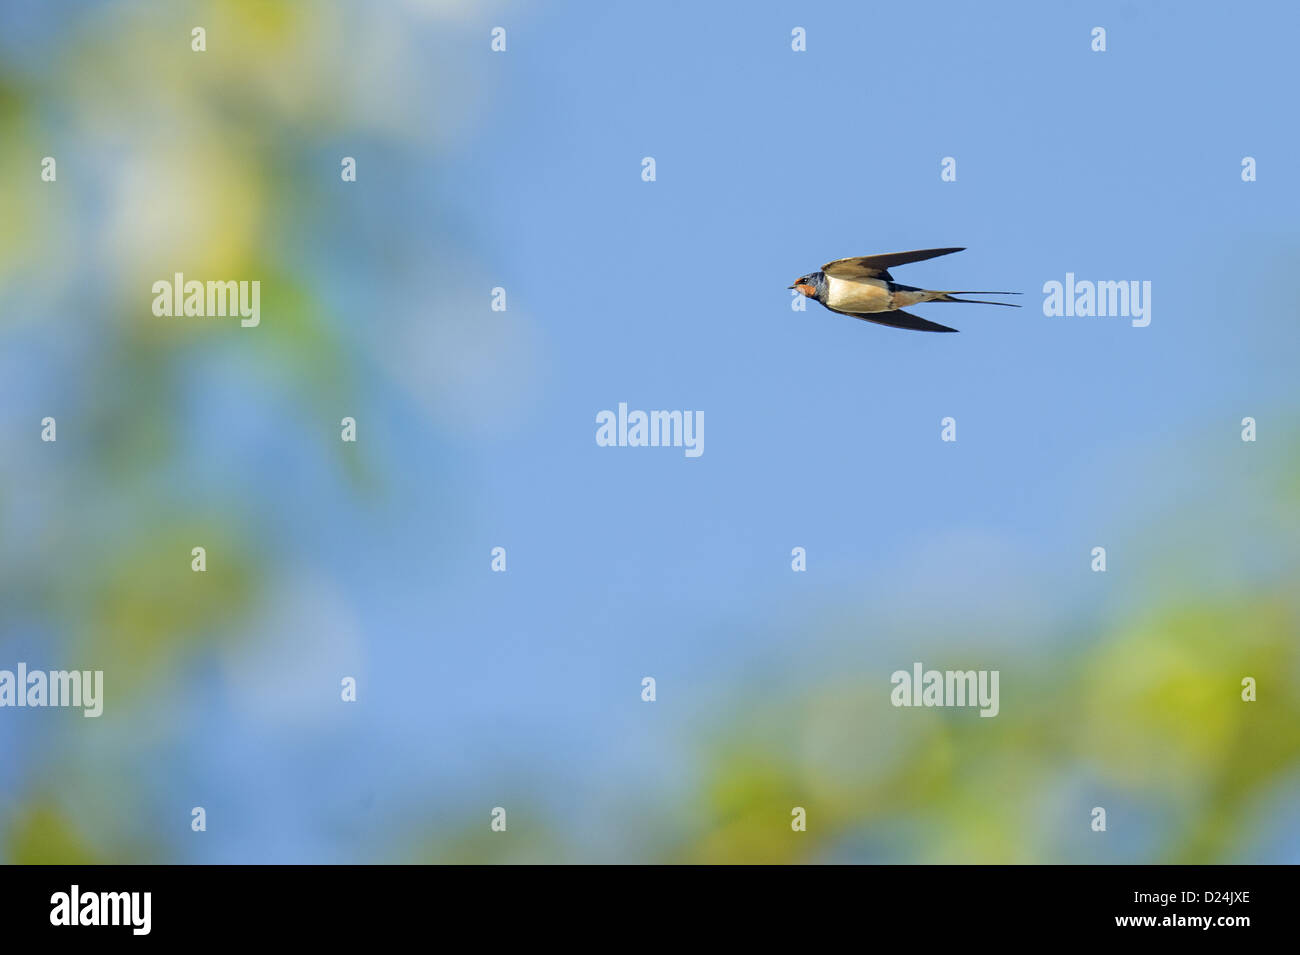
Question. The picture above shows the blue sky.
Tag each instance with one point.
(824, 432)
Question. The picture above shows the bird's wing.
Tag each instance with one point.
(877, 266)
(898, 319)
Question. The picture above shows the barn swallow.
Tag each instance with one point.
(862, 287)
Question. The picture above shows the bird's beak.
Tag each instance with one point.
(789, 286)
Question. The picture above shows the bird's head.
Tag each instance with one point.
(807, 284)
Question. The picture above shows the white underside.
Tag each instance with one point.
(863, 295)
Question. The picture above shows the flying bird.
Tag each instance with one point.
(861, 287)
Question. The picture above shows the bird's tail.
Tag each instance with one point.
(948, 297)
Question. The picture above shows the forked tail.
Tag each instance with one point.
(948, 297)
